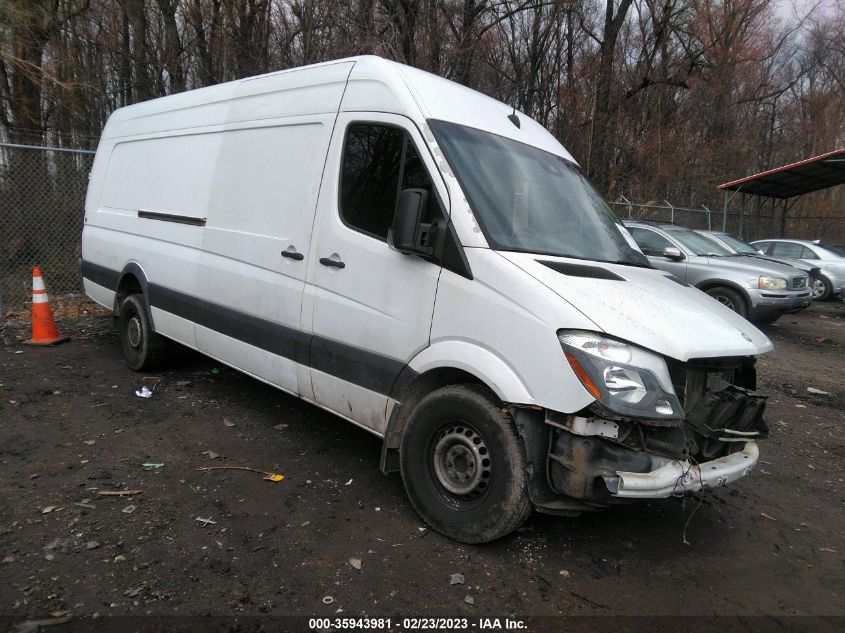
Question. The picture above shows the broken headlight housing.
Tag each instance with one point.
(626, 379)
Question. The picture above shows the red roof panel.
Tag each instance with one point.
(812, 174)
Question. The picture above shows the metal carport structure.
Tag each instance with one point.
(784, 185)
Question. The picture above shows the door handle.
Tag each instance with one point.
(334, 263)
(293, 255)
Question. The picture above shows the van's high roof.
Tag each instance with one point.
(367, 84)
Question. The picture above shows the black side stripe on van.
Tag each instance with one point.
(171, 217)
(360, 367)
(244, 327)
(100, 275)
(372, 371)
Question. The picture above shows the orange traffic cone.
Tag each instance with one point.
(44, 330)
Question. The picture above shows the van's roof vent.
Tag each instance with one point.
(580, 270)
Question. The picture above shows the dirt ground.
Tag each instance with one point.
(72, 427)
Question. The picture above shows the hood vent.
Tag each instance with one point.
(580, 270)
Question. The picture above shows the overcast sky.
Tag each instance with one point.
(786, 9)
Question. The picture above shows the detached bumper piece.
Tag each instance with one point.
(676, 477)
(727, 413)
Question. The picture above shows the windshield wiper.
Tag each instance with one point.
(625, 262)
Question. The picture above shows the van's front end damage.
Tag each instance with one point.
(600, 468)
(683, 475)
(657, 428)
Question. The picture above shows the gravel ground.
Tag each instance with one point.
(71, 427)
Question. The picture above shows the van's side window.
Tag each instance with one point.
(376, 159)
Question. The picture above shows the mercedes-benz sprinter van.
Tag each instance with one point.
(432, 266)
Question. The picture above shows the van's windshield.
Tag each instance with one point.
(529, 200)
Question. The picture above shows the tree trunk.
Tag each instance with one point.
(172, 53)
(36, 21)
(466, 43)
(603, 128)
(142, 80)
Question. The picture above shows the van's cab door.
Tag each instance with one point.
(368, 306)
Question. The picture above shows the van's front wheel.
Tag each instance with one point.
(142, 347)
(463, 465)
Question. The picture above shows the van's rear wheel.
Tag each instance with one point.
(463, 465)
(730, 299)
(142, 347)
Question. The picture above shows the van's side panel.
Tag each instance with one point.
(260, 216)
(145, 186)
(231, 171)
(262, 204)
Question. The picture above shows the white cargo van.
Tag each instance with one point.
(432, 266)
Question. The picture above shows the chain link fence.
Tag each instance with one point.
(693, 217)
(759, 222)
(42, 204)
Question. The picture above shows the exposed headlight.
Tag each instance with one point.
(771, 283)
(624, 383)
(626, 379)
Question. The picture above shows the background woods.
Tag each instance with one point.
(655, 98)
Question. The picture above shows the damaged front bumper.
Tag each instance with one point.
(596, 458)
(675, 476)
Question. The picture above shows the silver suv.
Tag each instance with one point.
(830, 259)
(759, 290)
(744, 249)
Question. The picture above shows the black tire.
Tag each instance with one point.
(821, 288)
(729, 298)
(142, 347)
(489, 485)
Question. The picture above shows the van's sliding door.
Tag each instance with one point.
(261, 212)
(369, 307)
(252, 269)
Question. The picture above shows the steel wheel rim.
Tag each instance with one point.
(818, 288)
(461, 460)
(133, 332)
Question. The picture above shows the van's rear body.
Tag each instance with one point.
(392, 247)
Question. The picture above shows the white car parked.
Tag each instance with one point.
(831, 260)
(432, 266)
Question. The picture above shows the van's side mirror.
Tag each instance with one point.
(673, 253)
(410, 233)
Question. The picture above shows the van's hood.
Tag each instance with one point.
(650, 308)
